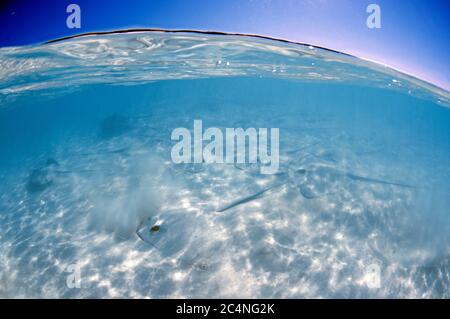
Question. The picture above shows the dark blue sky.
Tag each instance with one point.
(414, 36)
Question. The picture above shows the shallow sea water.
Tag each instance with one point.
(361, 206)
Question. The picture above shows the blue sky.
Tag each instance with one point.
(414, 36)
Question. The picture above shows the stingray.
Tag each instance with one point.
(250, 198)
(121, 151)
(318, 181)
(115, 125)
(43, 177)
(170, 234)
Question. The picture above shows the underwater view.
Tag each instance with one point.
(357, 205)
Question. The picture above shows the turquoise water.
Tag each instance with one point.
(360, 206)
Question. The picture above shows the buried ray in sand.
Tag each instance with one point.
(311, 184)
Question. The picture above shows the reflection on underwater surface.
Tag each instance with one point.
(87, 177)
